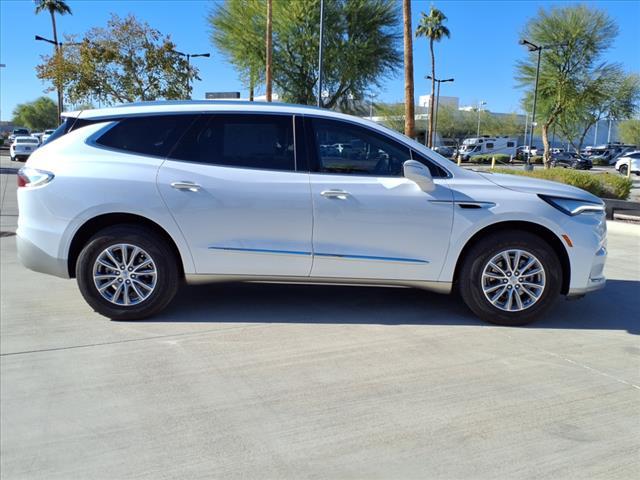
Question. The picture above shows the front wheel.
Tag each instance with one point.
(623, 170)
(127, 272)
(510, 278)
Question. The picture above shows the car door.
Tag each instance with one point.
(369, 221)
(232, 186)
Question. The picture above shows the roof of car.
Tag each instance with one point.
(183, 106)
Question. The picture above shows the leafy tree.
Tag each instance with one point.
(37, 115)
(576, 37)
(409, 88)
(61, 8)
(126, 61)
(238, 40)
(629, 131)
(613, 95)
(360, 45)
(432, 27)
(393, 115)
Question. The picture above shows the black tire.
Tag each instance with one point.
(623, 170)
(167, 280)
(553, 164)
(469, 281)
(13, 159)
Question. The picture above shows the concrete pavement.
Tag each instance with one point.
(275, 381)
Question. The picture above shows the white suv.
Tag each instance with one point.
(133, 199)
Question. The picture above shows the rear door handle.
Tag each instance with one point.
(339, 194)
(184, 185)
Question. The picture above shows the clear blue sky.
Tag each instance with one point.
(480, 55)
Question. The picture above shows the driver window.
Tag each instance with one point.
(343, 148)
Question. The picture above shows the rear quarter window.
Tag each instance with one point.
(149, 135)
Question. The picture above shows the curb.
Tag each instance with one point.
(621, 206)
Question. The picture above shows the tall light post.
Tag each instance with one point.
(435, 119)
(189, 57)
(532, 47)
(58, 50)
(320, 53)
(480, 105)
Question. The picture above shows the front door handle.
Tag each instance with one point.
(184, 185)
(339, 194)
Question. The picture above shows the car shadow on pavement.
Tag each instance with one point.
(617, 307)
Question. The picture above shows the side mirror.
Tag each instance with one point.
(420, 174)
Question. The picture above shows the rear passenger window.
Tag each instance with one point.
(151, 135)
(244, 141)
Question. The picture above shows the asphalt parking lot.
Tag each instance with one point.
(275, 381)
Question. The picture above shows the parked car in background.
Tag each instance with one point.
(628, 161)
(46, 135)
(37, 135)
(608, 153)
(131, 200)
(22, 147)
(523, 150)
(445, 151)
(18, 132)
(570, 160)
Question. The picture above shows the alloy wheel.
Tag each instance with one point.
(513, 280)
(125, 274)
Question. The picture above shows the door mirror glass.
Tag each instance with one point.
(420, 174)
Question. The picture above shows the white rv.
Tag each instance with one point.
(486, 145)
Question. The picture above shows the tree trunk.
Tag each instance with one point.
(433, 93)
(269, 41)
(58, 53)
(545, 142)
(409, 103)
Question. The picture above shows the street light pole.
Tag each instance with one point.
(320, 53)
(435, 118)
(58, 53)
(189, 57)
(534, 48)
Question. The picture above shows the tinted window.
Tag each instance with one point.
(245, 141)
(345, 148)
(152, 135)
(510, 144)
(489, 145)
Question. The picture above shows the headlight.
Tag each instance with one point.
(572, 206)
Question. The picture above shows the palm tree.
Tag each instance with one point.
(269, 41)
(431, 26)
(61, 8)
(409, 113)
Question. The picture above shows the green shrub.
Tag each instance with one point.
(537, 160)
(603, 185)
(601, 162)
(617, 185)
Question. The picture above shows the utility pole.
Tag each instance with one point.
(480, 104)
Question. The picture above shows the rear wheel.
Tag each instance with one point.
(510, 278)
(127, 272)
(623, 169)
